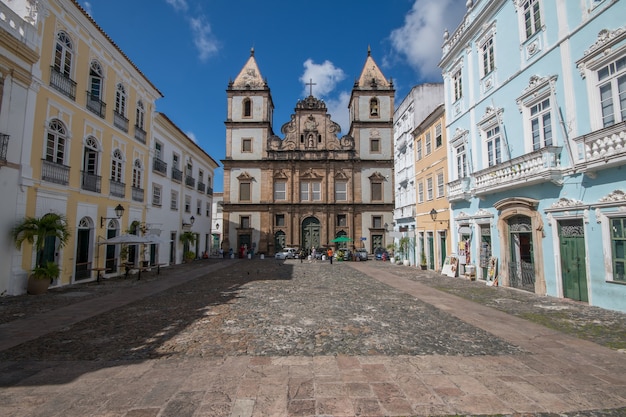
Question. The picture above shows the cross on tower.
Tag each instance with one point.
(310, 84)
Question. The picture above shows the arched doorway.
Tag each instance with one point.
(279, 240)
(112, 251)
(521, 263)
(83, 249)
(311, 233)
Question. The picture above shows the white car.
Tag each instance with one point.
(287, 253)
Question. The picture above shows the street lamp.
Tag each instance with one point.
(119, 212)
(433, 214)
(191, 221)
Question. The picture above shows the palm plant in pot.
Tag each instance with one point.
(423, 263)
(42, 232)
(188, 238)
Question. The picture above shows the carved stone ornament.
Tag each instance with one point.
(566, 203)
(617, 196)
(605, 38)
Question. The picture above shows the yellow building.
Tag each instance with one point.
(90, 150)
(431, 175)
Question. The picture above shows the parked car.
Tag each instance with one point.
(287, 253)
(361, 254)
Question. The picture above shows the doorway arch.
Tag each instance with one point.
(311, 228)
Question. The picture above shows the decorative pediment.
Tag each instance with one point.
(341, 176)
(564, 203)
(245, 176)
(482, 213)
(617, 196)
(280, 175)
(490, 118)
(606, 39)
(310, 174)
(458, 136)
(537, 87)
(377, 176)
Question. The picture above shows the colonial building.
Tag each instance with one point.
(432, 213)
(309, 186)
(415, 107)
(77, 119)
(537, 129)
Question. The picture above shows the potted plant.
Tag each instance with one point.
(41, 277)
(189, 256)
(403, 248)
(423, 263)
(37, 231)
(391, 249)
(188, 239)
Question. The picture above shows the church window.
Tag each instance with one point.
(377, 190)
(374, 107)
(244, 222)
(247, 107)
(280, 220)
(246, 145)
(341, 190)
(310, 191)
(280, 190)
(244, 191)
(377, 222)
(342, 220)
(375, 145)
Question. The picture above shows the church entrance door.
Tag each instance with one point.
(311, 233)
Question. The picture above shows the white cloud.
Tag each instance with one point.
(338, 110)
(421, 37)
(88, 8)
(325, 76)
(203, 39)
(179, 5)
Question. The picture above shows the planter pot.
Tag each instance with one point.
(37, 286)
(406, 262)
(423, 267)
(392, 260)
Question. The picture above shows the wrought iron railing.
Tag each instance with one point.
(56, 173)
(209, 190)
(4, 147)
(190, 181)
(62, 83)
(177, 174)
(91, 182)
(140, 134)
(95, 105)
(137, 194)
(159, 165)
(120, 121)
(201, 186)
(117, 189)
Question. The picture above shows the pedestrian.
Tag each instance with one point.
(230, 253)
(313, 253)
(330, 255)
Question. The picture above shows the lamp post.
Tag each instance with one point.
(119, 212)
(191, 222)
(433, 215)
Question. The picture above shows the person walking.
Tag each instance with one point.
(329, 253)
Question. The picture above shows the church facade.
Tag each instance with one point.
(310, 186)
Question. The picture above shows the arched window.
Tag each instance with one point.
(120, 99)
(63, 54)
(137, 170)
(56, 142)
(116, 166)
(90, 163)
(247, 107)
(374, 107)
(141, 112)
(96, 76)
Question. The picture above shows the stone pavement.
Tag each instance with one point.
(267, 338)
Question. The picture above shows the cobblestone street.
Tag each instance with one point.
(270, 338)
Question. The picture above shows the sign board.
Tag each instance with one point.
(363, 238)
(450, 265)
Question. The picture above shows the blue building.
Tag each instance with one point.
(536, 121)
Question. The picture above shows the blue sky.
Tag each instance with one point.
(190, 49)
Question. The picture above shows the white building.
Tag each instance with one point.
(415, 107)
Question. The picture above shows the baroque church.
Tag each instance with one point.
(310, 186)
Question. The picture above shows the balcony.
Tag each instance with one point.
(159, 166)
(120, 121)
(117, 189)
(543, 165)
(63, 84)
(4, 147)
(190, 181)
(140, 134)
(177, 174)
(91, 182)
(56, 173)
(209, 190)
(602, 149)
(95, 105)
(201, 187)
(137, 194)
(459, 190)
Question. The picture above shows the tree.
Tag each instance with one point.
(39, 231)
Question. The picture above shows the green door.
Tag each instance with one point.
(573, 265)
